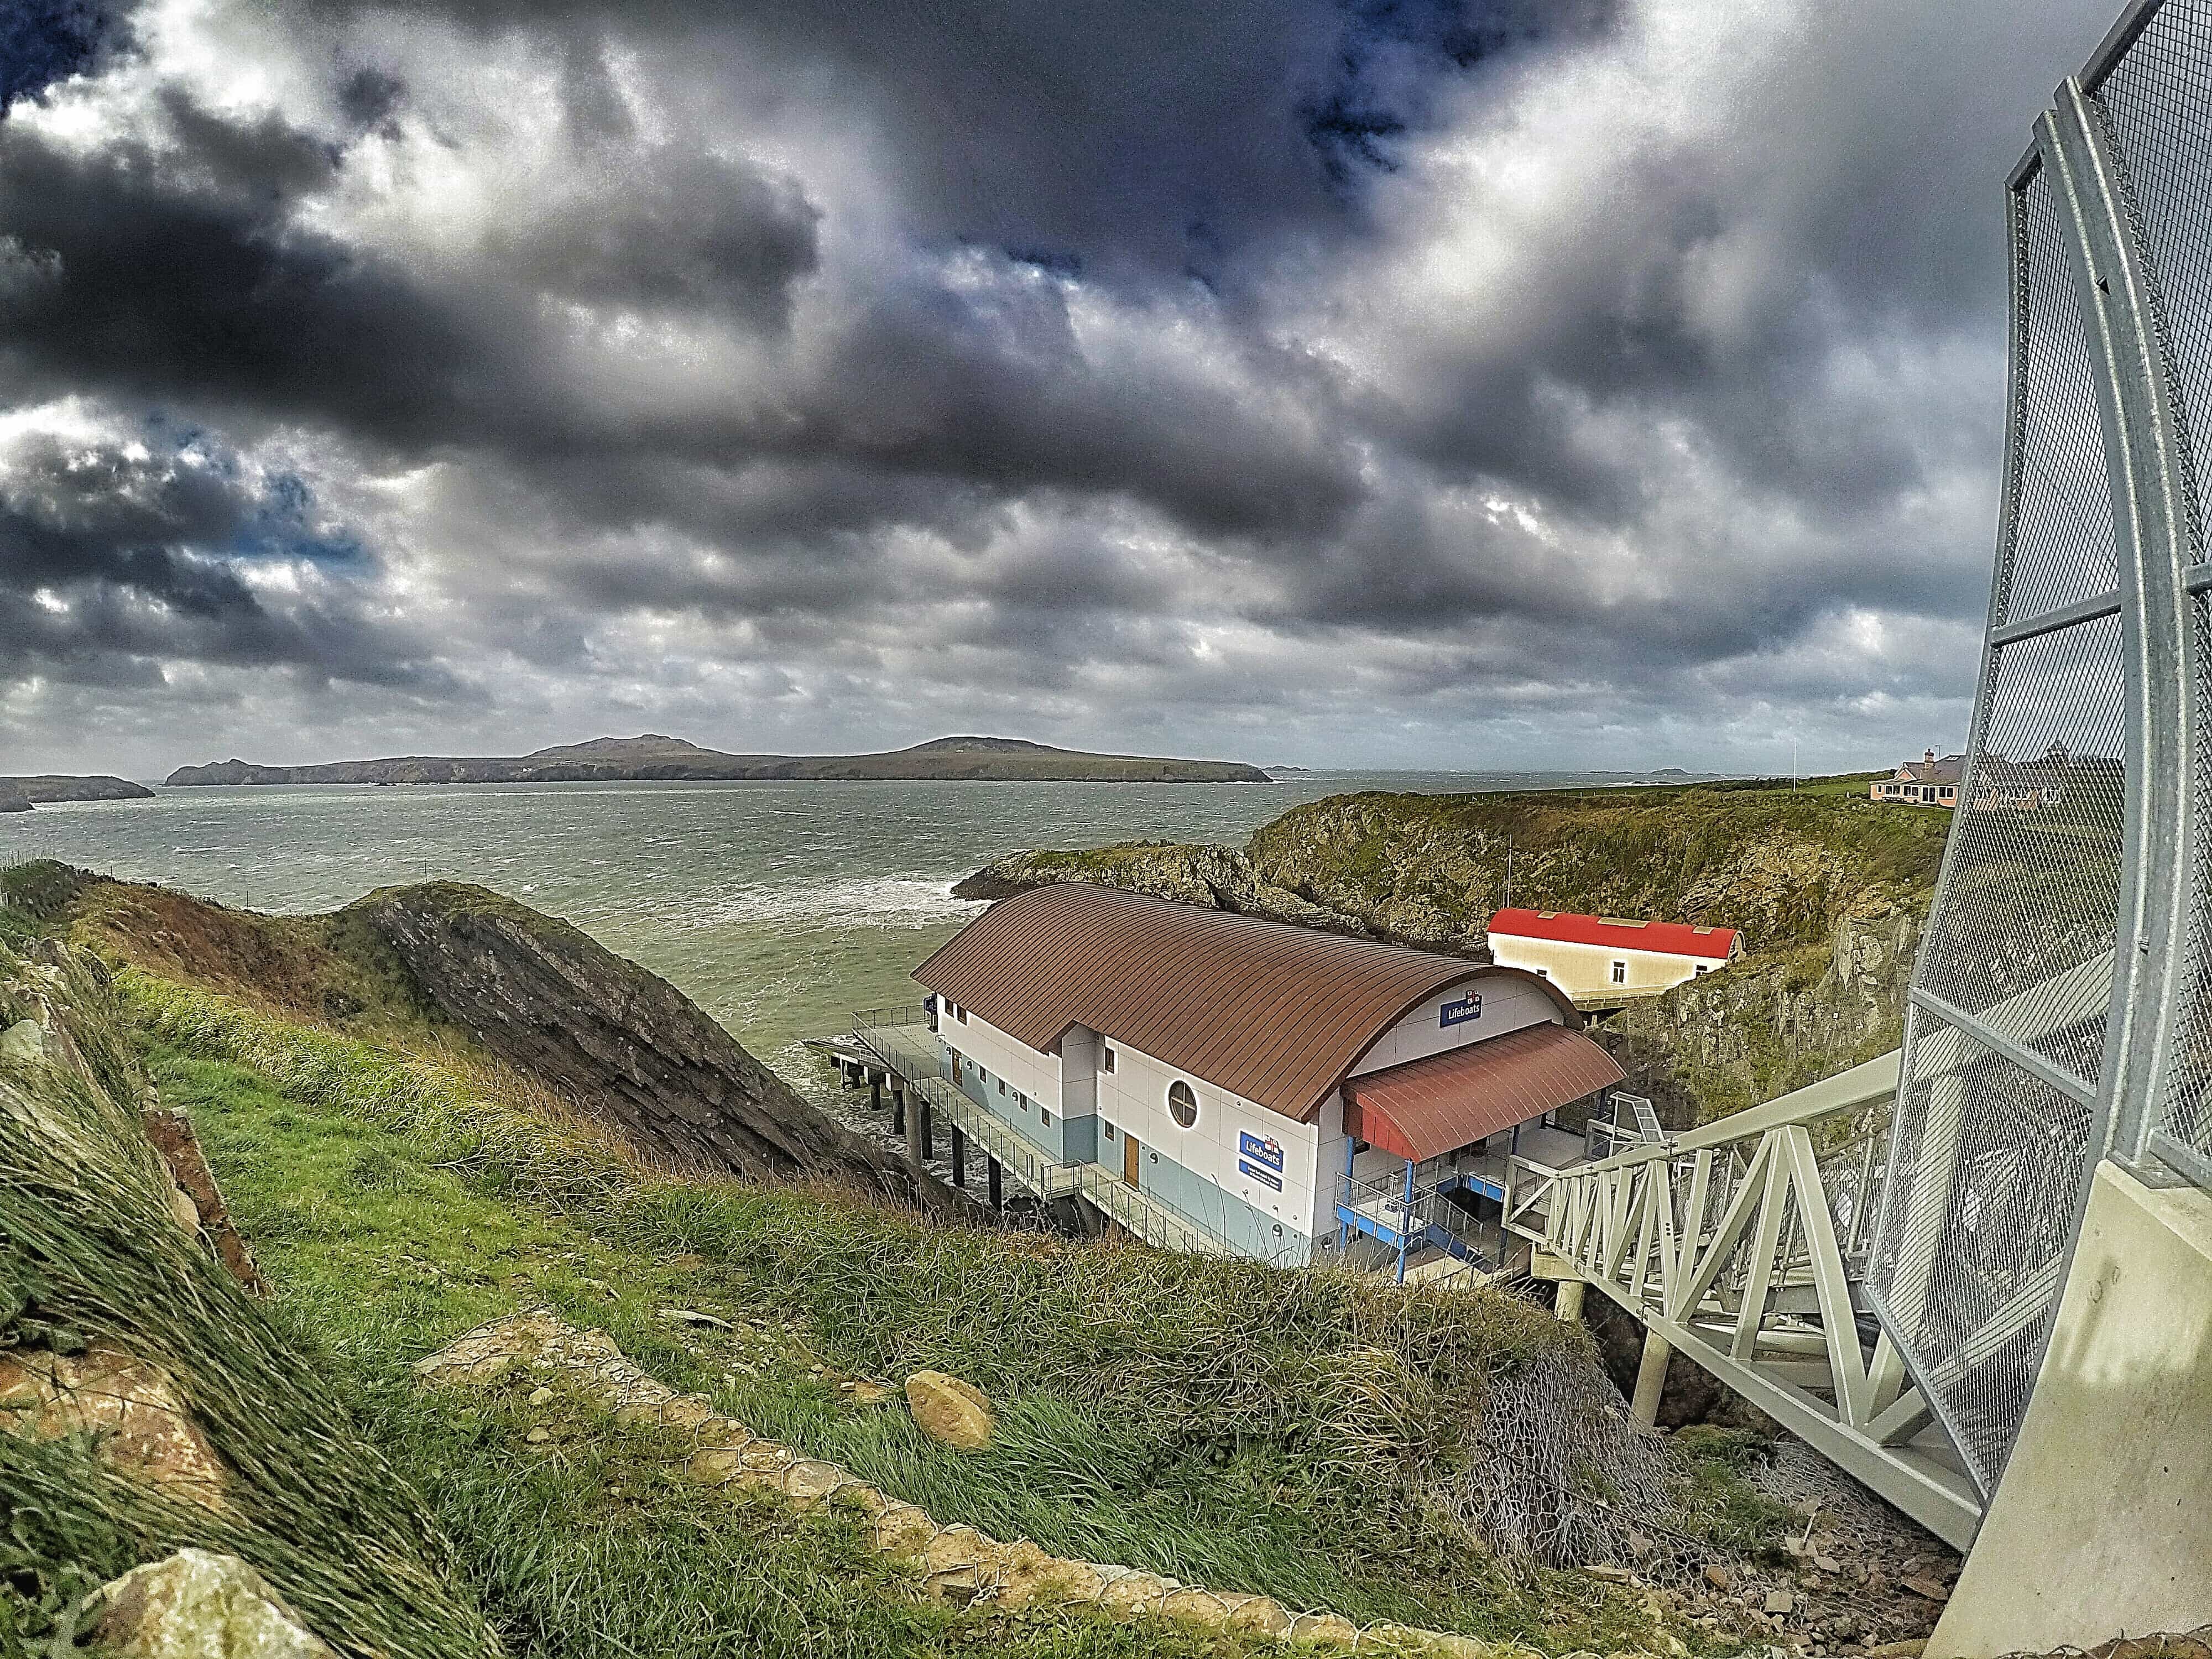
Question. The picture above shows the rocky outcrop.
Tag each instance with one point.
(1774, 1021)
(199, 1605)
(12, 797)
(627, 1047)
(1218, 878)
(128, 1406)
(48, 787)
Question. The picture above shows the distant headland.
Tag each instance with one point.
(21, 794)
(653, 758)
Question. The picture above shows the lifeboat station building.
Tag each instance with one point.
(1601, 962)
(1273, 1091)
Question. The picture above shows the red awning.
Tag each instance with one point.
(1429, 1107)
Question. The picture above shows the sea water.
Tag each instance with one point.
(779, 906)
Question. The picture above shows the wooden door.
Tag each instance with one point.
(1129, 1151)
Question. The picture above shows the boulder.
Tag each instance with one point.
(144, 1427)
(199, 1605)
(948, 1410)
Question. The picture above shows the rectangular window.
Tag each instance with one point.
(1621, 973)
(1046, 1115)
(1107, 1064)
(1109, 1129)
(1002, 1085)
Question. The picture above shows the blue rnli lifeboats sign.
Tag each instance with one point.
(1458, 1013)
(1259, 1157)
(1260, 1148)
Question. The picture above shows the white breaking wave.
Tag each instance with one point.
(866, 902)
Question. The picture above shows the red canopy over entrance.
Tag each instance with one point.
(1429, 1107)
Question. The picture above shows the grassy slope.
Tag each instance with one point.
(394, 1207)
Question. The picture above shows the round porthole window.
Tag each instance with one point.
(1182, 1104)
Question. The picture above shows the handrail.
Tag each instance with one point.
(1149, 1217)
(1859, 1086)
(1728, 1245)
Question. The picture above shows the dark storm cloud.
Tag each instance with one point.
(188, 277)
(1150, 137)
(43, 41)
(113, 559)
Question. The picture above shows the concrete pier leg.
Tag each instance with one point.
(915, 1113)
(1650, 1379)
(876, 1090)
(928, 1131)
(898, 1111)
(1569, 1301)
(959, 1158)
(991, 1183)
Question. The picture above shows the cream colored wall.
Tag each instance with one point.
(1586, 970)
(1507, 1005)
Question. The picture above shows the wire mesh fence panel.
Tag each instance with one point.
(2157, 105)
(2063, 547)
(1986, 1158)
(2183, 1120)
(2022, 931)
(1984, 1169)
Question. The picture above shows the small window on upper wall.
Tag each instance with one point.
(960, 1014)
(1107, 1128)
(1045, 1113)
(1621, 973)
(1107, 1063)
(1182, 1104)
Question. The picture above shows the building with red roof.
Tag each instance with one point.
(1598, 959)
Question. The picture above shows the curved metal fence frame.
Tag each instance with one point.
(2027, 1060)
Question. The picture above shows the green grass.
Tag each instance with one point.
(1214, 1420)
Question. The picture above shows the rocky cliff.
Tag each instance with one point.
(48, 787)
(447, 962)
(552, 1001)
(1829, 888)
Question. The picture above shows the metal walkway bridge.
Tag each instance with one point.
(1878, 1260)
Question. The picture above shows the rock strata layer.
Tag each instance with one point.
(626, 1045)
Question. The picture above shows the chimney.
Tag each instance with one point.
(1929, 757)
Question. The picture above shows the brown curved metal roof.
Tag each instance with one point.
(1275, 1013)
(1428, 1107)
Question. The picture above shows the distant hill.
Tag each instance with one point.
(49, 787)
(652, 757)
